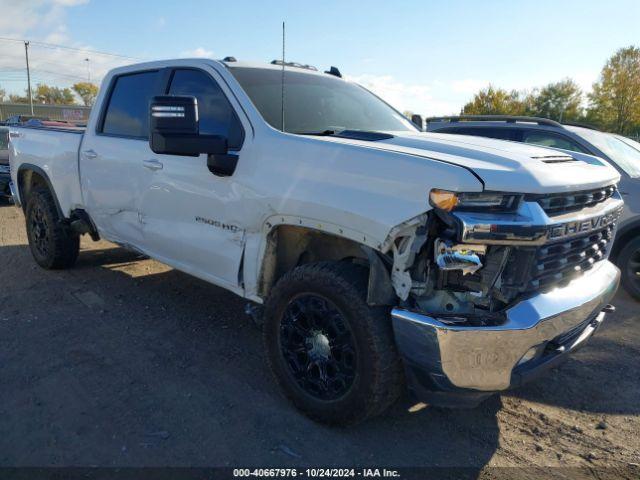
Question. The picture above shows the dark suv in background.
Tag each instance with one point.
(623, 153)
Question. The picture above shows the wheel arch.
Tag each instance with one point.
(289, 246)
(31, 176)
(624, 236)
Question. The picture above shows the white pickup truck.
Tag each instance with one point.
(381, 256)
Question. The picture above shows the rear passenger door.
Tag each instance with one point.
(193, 219)
(112, 156)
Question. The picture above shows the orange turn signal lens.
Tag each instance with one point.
(443, 199)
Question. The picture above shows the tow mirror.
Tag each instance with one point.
(417, 121)
(174, 129)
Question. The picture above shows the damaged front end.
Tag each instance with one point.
(493, 286)
(434, 272)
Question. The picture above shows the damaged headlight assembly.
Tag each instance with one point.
(468, 271)
(456, 256)
(448, 201)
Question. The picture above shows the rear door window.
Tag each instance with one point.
(547, 139)
(127, 113)
(216, 115)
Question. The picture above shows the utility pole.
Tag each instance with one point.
(26, 54)
(88, 70)
(282, 92)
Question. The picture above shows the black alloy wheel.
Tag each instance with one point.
(318, 347)
(39, 229)
(52, 242)
(332, 354)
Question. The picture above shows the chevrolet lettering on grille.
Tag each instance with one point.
(583, 226)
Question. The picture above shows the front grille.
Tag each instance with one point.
(4, 168)
(558, 263)
(559, 203)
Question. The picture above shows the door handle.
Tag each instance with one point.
(152, 164)
(90, 154)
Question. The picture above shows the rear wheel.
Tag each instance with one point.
(629, 263)
(52, 243)
(333, 355)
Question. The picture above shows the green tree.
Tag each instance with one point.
(53, 95)
(87, 91)
(615, 99)
(18, 99)
(495, 101)
(3, 94)
(559, 101)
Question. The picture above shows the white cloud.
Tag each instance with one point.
(199, 52)
(425, 99)
(586, 80)
(468, 86)
(402, 96)
(70, 3)
(58, 36)
(45, 21)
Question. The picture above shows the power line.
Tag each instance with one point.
(80, 64)
(17, 71)
(65, 47)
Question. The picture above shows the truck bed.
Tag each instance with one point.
(54, 152)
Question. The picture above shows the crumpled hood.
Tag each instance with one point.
(503, 165)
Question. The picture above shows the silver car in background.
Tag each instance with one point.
(623, 153)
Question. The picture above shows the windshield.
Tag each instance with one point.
(316, 103)
(619, 151)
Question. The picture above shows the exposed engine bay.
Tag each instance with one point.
(436, 273)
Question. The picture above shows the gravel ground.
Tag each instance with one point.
(123, 361)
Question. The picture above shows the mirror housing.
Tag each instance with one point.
(417, 121)
(174, 128)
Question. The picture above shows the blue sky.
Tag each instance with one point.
(426, 56)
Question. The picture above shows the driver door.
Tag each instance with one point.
(191, 218)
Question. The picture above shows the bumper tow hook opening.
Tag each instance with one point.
(609, 308)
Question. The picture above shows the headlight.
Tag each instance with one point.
(473, 201)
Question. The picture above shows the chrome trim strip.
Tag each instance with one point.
(483, 358)
(530, 225)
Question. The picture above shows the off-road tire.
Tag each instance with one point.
(53, 245)
(629, 263)
(379, 375)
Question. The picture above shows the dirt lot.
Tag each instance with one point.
(123, 361)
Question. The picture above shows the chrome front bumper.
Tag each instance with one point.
(450, 356)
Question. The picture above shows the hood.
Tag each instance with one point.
(502, 165)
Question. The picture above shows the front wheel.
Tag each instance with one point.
(333, 355)
(629, 263)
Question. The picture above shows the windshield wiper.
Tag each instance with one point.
(322, 133)
(370, 136)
